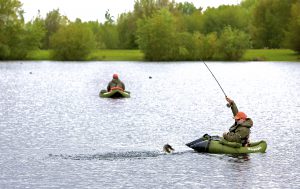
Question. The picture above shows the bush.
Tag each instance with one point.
(73, 42)
(233, 44)
(205, 46)
(157, 38)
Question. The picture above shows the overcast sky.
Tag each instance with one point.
(92, 10)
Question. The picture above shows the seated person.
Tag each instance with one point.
(115, 83)
(240, 130)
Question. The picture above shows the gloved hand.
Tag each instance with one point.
(229, 102)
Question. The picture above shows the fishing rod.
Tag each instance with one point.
(215, 78)
(228, 105)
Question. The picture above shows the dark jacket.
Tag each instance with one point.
(238, 132)
(115, 83)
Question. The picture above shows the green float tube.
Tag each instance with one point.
(114, 93)
(218, 145)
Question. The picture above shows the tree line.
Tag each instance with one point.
(162, 29)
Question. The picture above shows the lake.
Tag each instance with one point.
(56, 132)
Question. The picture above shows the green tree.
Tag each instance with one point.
(95, 26)
(12, 31)
(109, 36)
(109, 17)
(249, 4)
(127, 22)
(146, 8)
(292, 35)
(186, 8)
(188, 17)
(233, 44)
(127, 26)
(216, 19)
(73, 42)
(156, 36)
(34, 33)
(54, 20)
(185, 46)
(270, 18)
(206, 46)
(106, 35)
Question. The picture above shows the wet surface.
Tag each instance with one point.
(57, 133)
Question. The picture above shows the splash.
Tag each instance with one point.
(110, 155)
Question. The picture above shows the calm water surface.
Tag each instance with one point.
(55, 131)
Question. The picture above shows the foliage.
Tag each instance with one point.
(186, 8)
(185, 46)
(233, 44)
(35, 32)
(194, 22)
(95, 27)
(54, 20)
(216, 19)
(270, 18)
(127, 31)
(157, 35)
(16, 38)
(205, 46)
(109, 18)
(106, 35)
(162, 29)
(72, 42)
(109, 36)
(146, 8)
(292, 35)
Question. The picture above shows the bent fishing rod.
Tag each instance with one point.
(228, 105)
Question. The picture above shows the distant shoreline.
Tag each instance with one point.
(137, 55)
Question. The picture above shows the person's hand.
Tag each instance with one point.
(229, 100)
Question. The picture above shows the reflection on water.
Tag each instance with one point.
(239, 158)
(57, 133)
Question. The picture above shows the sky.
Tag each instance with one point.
(92, 10)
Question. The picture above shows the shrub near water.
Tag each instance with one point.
(156, 36)
(233, 43)
(72, 42)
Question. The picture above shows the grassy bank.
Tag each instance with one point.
(137, 55)
(39, 55)
(117, 55)
(97, 55)
(271, 55)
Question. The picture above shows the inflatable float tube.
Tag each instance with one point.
(114, 93)
(218, 145)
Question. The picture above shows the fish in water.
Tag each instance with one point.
(168, 148)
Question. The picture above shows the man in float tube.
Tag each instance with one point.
(240, 130)
(115, 83)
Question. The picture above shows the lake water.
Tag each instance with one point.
(55, 131)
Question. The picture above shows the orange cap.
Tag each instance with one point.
(240, 115)
(115, 76)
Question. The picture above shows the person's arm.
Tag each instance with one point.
(232, 105)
